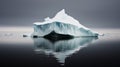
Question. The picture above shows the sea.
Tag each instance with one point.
(19, 51)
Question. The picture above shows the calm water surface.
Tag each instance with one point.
(18, 51)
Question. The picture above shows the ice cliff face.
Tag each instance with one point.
(62, 23)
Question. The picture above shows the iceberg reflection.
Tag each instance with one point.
(61, 49)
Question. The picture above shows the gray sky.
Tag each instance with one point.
(91, 13)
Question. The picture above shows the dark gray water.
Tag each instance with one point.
(17, 51)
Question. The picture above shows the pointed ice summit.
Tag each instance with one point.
(61, 24)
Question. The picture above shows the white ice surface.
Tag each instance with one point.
(62, 23)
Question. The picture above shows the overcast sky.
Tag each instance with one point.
(91, 13)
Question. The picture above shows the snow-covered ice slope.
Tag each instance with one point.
(62, 23)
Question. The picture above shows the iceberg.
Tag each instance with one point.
(61, 24)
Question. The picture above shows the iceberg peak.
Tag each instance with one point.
(61, 13)
(63, 17)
